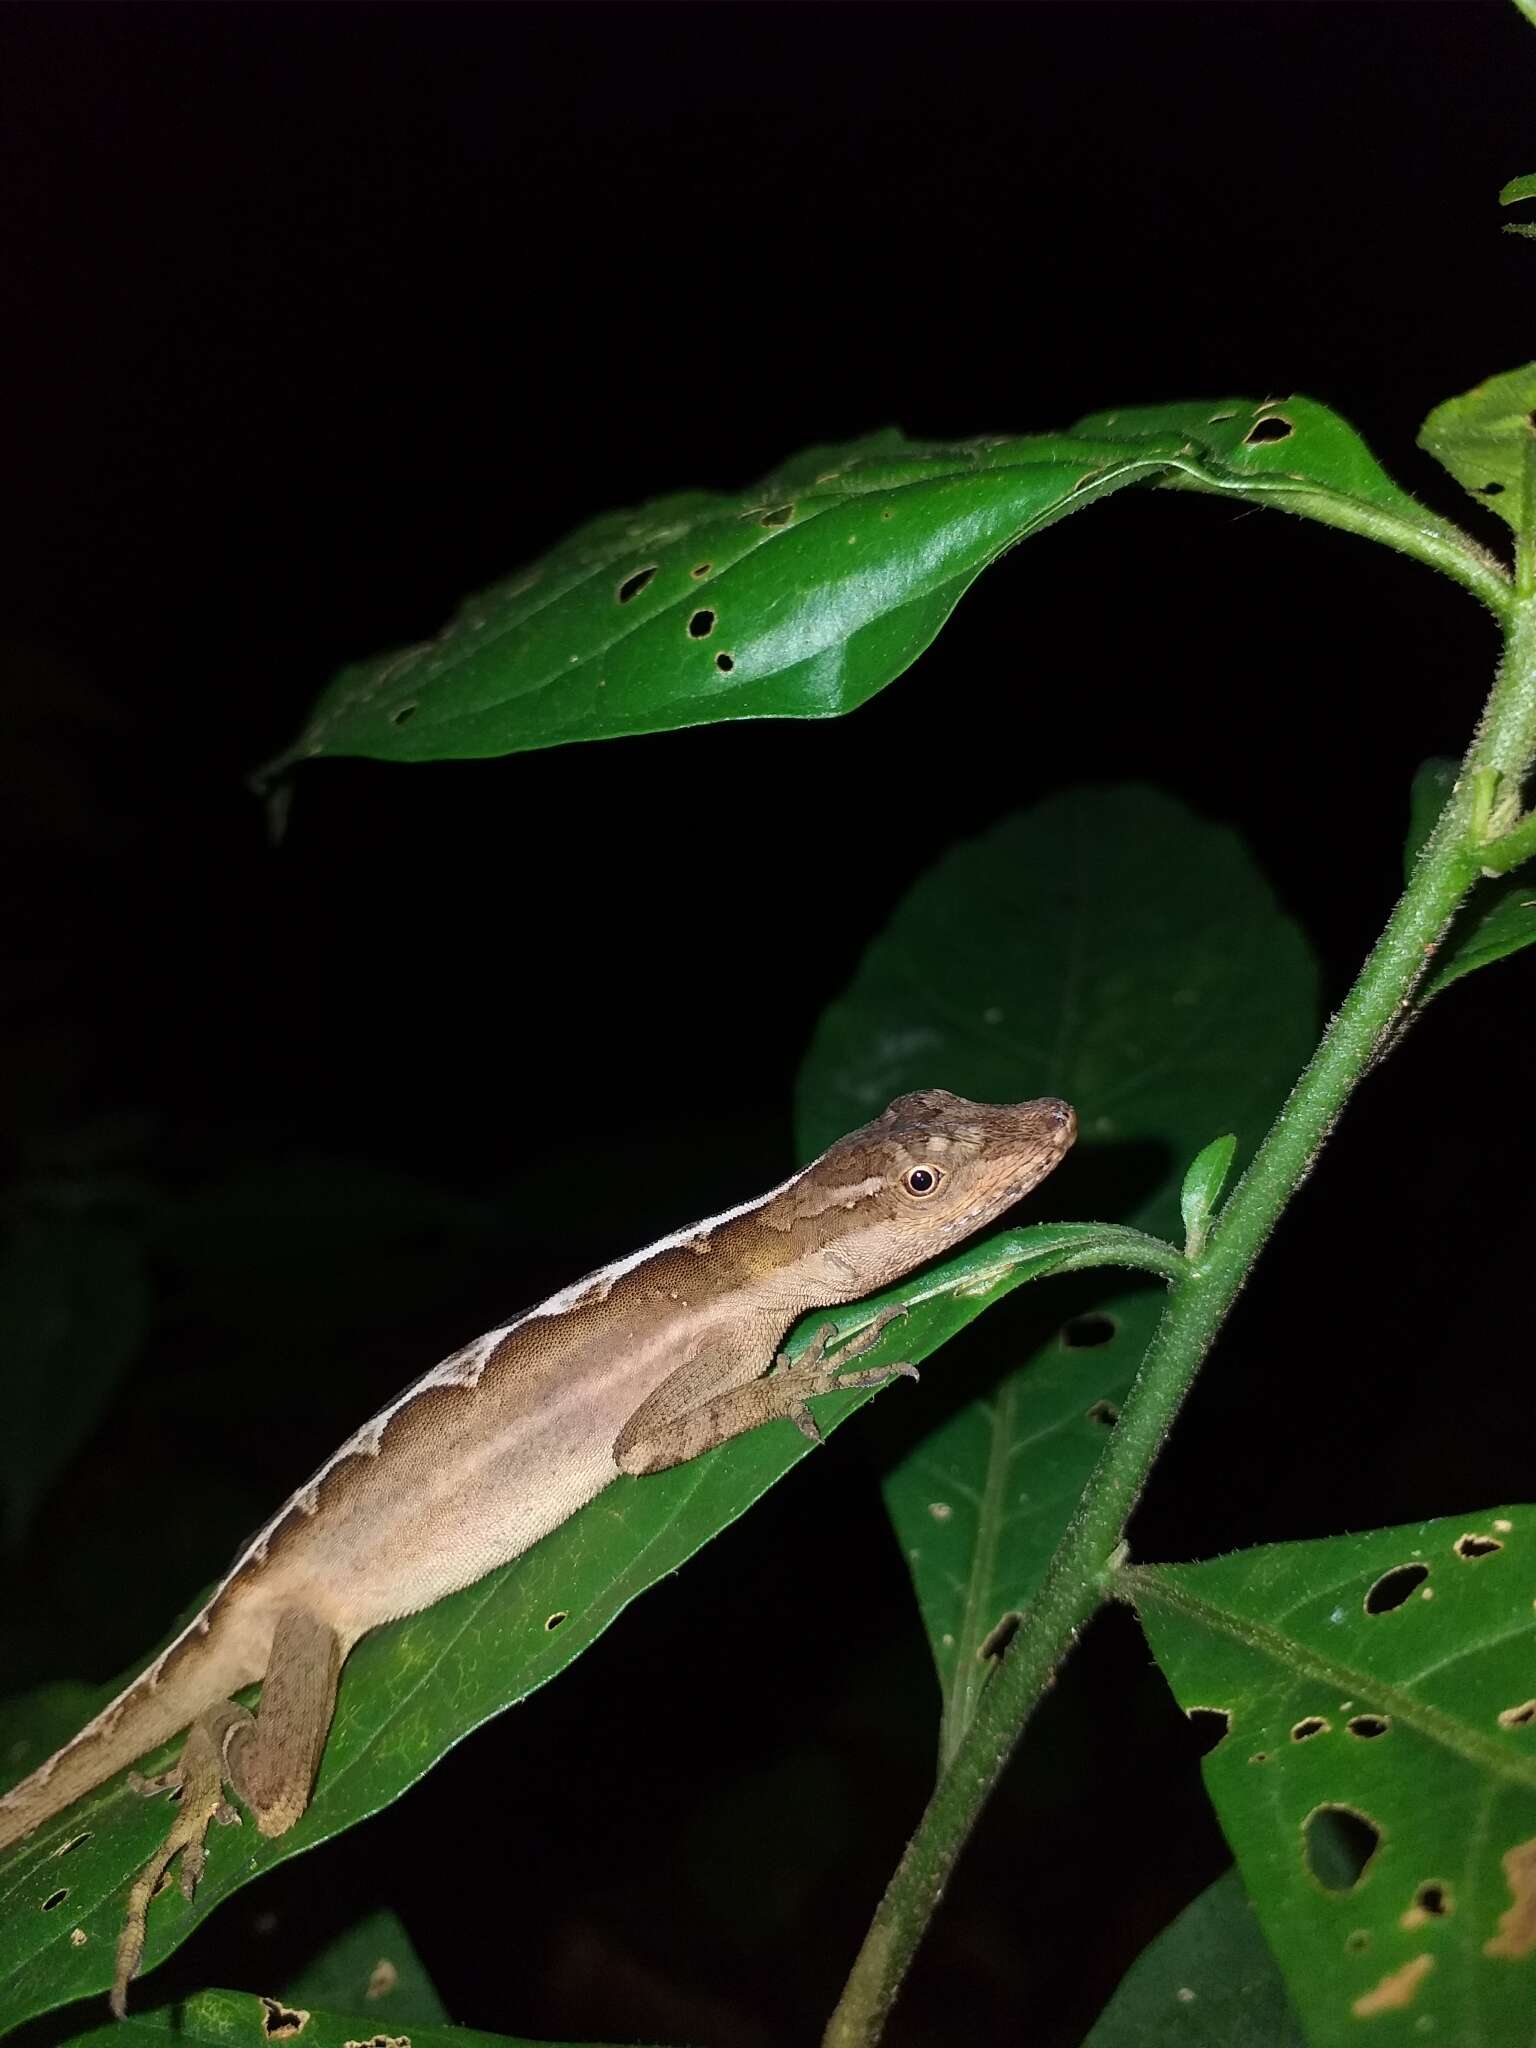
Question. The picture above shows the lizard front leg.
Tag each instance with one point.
(268, 1759)
(706, 1401)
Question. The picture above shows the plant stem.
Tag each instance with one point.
(1082, 1573)
(1516, 845)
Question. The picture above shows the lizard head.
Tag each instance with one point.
(933, 1169)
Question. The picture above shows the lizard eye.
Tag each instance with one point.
(921, 1180)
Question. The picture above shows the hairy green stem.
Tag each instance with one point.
(1436, 542)
(1083, 1571)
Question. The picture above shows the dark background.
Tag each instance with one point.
(316, 318)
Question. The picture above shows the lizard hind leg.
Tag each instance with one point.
(268, 1759)
(199, 1773)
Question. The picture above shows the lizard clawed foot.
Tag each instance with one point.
(199, 1773)
(816, 1373)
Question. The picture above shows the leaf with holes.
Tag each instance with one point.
(410, 1691)
(798, 598)
(1377, 1780)
(1110, 947)
(803, 596)
(1498, 918)
(1302, 457)
(1208, 1981)
(1486, 438)
(235, 2019)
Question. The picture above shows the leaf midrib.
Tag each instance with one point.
(1144, 1585)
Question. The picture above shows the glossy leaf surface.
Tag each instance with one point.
(802, 596)
(797, 598)
(1377, 1780)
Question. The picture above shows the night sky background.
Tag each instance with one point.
(316, 318)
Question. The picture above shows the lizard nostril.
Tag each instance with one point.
(1065, 1117)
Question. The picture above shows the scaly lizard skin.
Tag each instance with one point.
(642, 1365)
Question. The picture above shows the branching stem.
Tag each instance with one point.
(1083, 1571)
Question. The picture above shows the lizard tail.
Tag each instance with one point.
(195, 1673)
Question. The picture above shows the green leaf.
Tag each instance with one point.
(1377, 1780)
(1203, 1183)
(1498, 918)
(1279, 445)
(235, 2019)
(410, 1691)
(980, 1503)
(1109, 947)
(802, 597)
(798, 598)
(1486, 438)
(74, 1309)
(372, 1968)
(1301, 457)
(1208, 1981)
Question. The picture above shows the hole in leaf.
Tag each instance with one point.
(701, 625)
(281, 2022)
(1087, 1333)
(1314, 1724)
(54, 1899)
(1394, 1587)
(1216, 418)
(1274, 428)
(1519, 1717)
(1493, 490)
(1339, 1843)
(74, 1843)
(725, 663)
(1473, 1545)
(1260, 1756)
(1360, 1939)
(1212, 1726)
(553, 1621)
(997, 1639)
(781, 515)
(632, 586)
(405, 712)
(1369, 1726)
(701, 569)
(1434, 1899)
(1104, 1412)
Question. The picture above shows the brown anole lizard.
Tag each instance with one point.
(642, 1365)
